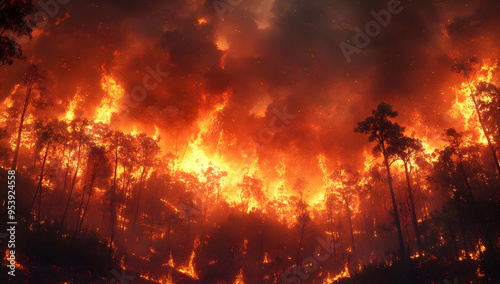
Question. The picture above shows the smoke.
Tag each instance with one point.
(282, 53)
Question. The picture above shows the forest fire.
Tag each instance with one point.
(212, 142)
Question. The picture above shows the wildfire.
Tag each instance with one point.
(110, 104)
(156, 183)
(266, 258)
(8, 102)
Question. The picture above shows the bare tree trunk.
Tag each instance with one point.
(491, 261)
(412, 208)
(483, 127)
(141, 187)
(57, 198)
(462, 228)
(81, 201)
(333, 238)
(395, 208)
(112, 200)
(39, 186)
(20, 129)
(349, 219)
(340, 234)
(302, 229)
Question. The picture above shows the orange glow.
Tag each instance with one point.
(109, 104)
(210, 170)
(463, 110)
(70, 113)
(344, 274)
(189, 268)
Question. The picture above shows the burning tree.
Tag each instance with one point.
(468, 67)
(104, 194)
(15, 21)
(48, 135)
(382, 130)
(34, 80)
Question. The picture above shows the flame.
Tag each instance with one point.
(171, 261)
(322, 165)
(110, 104)
(197, 157)
(222, 44)
(70, 112)
(343, 274)
(8, 102)
(463, 109)
(239, 278)
(6, 256)
(164, 280)
(189, 268)
(266, 258)
(156, 136)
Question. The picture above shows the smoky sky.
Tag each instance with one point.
(284, 52)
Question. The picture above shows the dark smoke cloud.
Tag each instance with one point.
(287, 51)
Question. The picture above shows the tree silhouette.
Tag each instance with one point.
(78, 142)
(15, 21)
(405, 148)
(468, 67)
(346, 194)
(381, 130)
(455, 139)
(250, 187)
(34, 80)
(332, 202)
(47, 135)
(147, 151)
(303, 217)
(97, 167)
